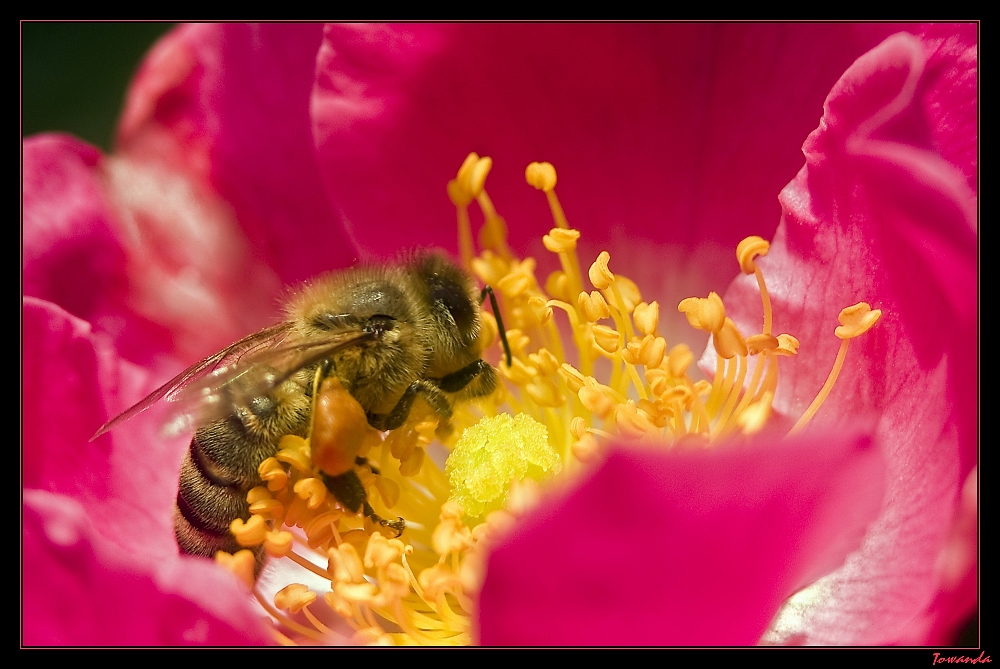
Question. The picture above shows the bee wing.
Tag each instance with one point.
(225, 359)
(219, 393)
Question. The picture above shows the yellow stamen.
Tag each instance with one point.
(570, 397)
(854, 321)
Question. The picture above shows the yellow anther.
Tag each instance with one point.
(561, 240)
(680, 394)
(524, 496)
(557, 285)
(489, 267)
(319, 529)
(578, 427)
(339, 604)
(599, 273)
(704, 313)
(761, 342)
(518, 341)
(241, 563)
(457, 193)
(451, 510)
(540, 309)
(857, 320)
(627, 290)
(545, 393)
(249, 533)
(472, 174)
(359, 593)
(476, 178)
(487, 331)
(593, 306)
(747, 250)
(278, 543)
(679, 359)
(450, 536)
(514, 284)
(658, 380)
(607, 338)
(541, 175)
(294, 597)
(652, 350)
(411, 466)
(268, 508)
(294, 451)
(729, 343)
(596, 398)
(426, 428)
(312, 490)
(345, 564)
(545, 361)
(753, 419)
(258, 494)
(632, 422)
(437, 580)
(787, 345)
(273, 474)
(656, 411)
(702, 387)
(493, 234)
(630, 353)
(519, 373)
(382, 551)
(646, 317)
(586, 449)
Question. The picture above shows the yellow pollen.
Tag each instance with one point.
(646, 317)
(704, 313)
(747, 250)
(560, 240)
(600, 276)
(541, 175)
(856, 320)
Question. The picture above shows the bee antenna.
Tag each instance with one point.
(496, 313)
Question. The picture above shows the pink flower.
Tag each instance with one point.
(252, 156)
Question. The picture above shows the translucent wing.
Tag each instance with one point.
(252, 366)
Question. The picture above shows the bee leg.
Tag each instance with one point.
(461, 380)
(398, 525)
(430, 392)
(365, 462)
(348, 490)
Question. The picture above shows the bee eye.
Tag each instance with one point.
(455, 302)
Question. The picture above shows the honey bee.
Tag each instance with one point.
(387, 334)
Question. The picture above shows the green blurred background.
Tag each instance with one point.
(74, 75)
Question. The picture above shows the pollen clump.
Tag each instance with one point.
(494, 452)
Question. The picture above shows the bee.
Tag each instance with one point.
(386, 334)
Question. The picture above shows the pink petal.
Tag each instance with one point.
(142, 253)
(73, 254)
(670, 140)
(80, 590)
(127, 480)
(229, 104)
(695, 547)
(879, 215)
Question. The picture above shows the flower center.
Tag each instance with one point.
(598, 372)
